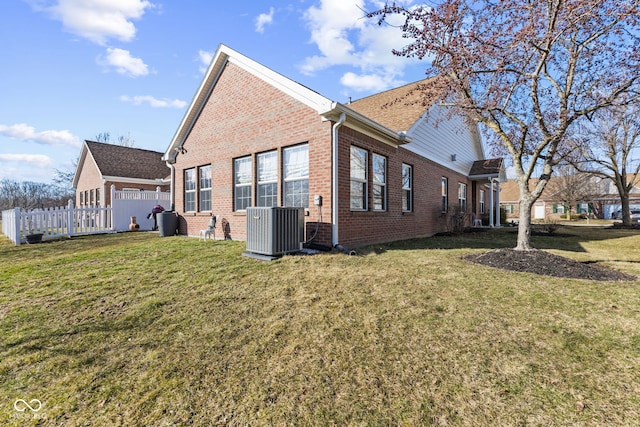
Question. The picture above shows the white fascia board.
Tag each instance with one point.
(294, 89)
(158, 181)
(366, 126)
(223, 55)
(81, 159)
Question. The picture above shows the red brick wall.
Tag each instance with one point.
(88, 180)
(246, 116)
(358, 228)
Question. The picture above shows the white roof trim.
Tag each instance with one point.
(222, 56)
(158, 181)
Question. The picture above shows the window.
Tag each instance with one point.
(481, 201)
(407, 188)
(97, 197)
(558, 208)
(379, 164)
(268, 179)
(205, 188)
(190, 190)
(444, 190)
(86, 197)
(296, 176)
(462, 197)
(358, 179)
(242, 183)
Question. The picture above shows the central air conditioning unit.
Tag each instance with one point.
(274, 231)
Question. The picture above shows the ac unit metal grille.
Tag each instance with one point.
(274, 231)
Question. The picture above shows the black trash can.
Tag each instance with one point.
(167, 223)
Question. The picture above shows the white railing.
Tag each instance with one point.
(56, 222)
(71, 221)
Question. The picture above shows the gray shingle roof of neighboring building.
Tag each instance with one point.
(117, 160)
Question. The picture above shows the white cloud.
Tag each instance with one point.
(368, 82)
(124, 63)
(153, 102)
(205, 58)
(98, 20)
(34, 160)
(264, 19)
(345, 37)
(25, 132)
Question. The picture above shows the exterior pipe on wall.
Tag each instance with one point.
(334, 181)
(171, 194)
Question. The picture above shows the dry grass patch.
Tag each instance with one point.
(132, 329)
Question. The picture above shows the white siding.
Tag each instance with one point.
(437, 136)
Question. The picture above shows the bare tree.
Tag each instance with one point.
(572, 187)
(527, 71)
(124, 140)
(608, 147)
(31, 195)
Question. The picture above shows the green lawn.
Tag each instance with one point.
(133, 329)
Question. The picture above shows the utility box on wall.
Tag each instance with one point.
(274, 231)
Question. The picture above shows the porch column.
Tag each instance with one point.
(498, 201)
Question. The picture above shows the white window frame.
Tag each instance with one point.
(295, 176)
(267, 177)
(242, 182)
(190, 185)
(407, 188)
(204, 189)
(444, 191)
(482, 196)
(462, 196)
(358, 181)
(379, 182)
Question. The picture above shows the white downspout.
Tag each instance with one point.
(334, 182)
(171, 185)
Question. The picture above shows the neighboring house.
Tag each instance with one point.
(383, 170)
(602, 203)
(101, 165)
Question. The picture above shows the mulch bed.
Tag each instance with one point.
(545, 263)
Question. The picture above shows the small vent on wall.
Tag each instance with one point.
(453, 157)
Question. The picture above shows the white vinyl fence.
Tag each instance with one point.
(55, 222)
(73, 221)
(126, 204)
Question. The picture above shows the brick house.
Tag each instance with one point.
(602, 203)
(384, 171)
(101, 165)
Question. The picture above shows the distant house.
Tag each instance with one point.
(369, 171)
(101, 165)
(603, 201)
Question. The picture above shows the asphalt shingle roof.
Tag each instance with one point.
(486, 167)
(117, 160)
(396, 109)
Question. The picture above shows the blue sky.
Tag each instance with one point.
(71, 69)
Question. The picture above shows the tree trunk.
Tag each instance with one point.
(626, 211)
(524, 226)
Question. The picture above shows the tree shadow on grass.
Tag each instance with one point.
(566, 238)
